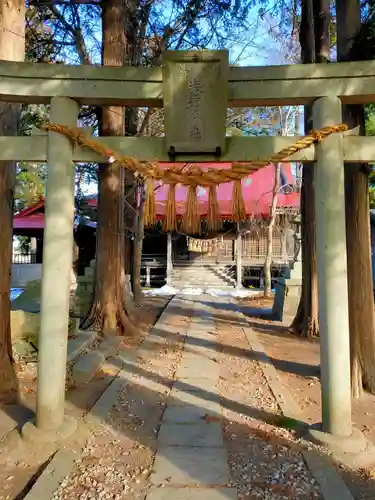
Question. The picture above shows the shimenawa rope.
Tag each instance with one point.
(192, 177)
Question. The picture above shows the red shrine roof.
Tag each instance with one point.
(30, 217)
(256, 189)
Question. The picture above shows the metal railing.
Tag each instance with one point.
(24, 258)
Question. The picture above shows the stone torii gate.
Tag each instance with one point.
(195, 89)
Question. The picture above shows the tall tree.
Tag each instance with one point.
(322, 20)
(146, 32)
(306, 321)
(12, 47)
(360, 287)
(108, 310)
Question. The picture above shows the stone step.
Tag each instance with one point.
(205, 287)
(201, 275)
(202, 282)
(89, 272)
(197, 268)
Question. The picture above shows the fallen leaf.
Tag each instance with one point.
(210, 419)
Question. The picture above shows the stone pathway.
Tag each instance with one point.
(191, 455)
(191, 416)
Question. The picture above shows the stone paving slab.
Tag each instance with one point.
(202, 434)
(190, 466)
(195, 384)
(201, 329)
(169, 493)
(329, 480)
(203, 343)
(208, 342)
(192, 352)
(201, 399)
(189, 414)
(202, 339)
(58, 468)
(198, 367)
(87, 366)
(200, 322)
(79, 343)
(147, 383)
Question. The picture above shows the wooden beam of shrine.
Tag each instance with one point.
(353, 82)
(33, 149)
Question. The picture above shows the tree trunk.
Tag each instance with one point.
(108, 310)
(268, 260)
(134, 27)
(12, 48)
(361, 302)
(306, 321)
(138, 243)
(322, 17)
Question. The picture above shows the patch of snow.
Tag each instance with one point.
(214, 292)
(192, 291)
(242, 293)
(164, 290)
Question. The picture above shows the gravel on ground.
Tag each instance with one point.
(118, 459)
(21, 464)
(265, 460)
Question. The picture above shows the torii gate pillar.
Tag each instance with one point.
(51, 423)
(336, 429)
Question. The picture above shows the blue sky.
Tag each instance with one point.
(253, 45)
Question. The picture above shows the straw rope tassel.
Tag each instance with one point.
(192, 217)
(214, 223)
(238, 204)
(198, 178)
(170, 210)
(150, 203)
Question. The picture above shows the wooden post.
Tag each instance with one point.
(33, 250)
(332, 272)
(169, 259)
(138, 246)
(148, 276)
(239, 257)
(51, 424)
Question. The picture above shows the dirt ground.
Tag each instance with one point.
(265, 461)
(20, 463)
(298, 365)
(117, 461)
